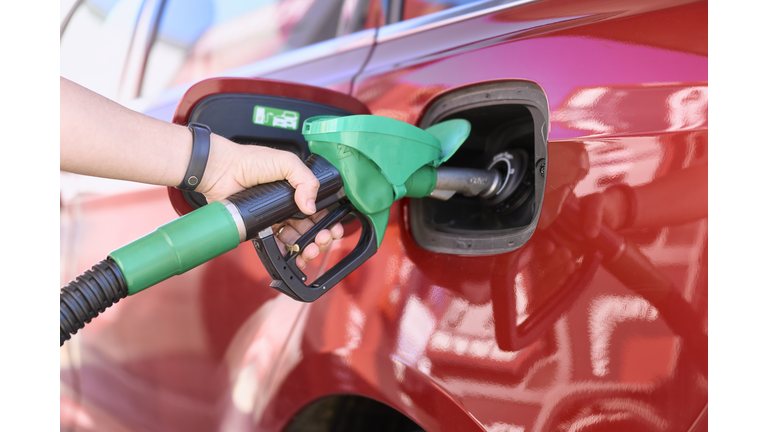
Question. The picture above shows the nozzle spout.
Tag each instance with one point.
(466, 181)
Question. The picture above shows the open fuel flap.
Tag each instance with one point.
(509, 134)
(253, 111)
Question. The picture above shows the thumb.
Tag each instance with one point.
(302, 179)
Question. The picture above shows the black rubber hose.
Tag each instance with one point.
(88, 295)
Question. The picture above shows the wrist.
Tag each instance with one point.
(198, 160)
(221, 159)
(177, 156)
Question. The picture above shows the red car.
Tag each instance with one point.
(577, 303)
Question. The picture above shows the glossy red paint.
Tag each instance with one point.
(599, 322)
(626, 328)
(213, 86)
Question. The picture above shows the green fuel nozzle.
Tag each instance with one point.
(382, 160)
(364, 164)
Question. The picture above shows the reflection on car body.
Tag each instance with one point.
(597, 322)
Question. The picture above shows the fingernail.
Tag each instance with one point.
(311, 205)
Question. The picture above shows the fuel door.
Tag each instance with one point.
(256, 112)
(509, 135)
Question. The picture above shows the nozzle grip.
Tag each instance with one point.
(327, 222)
(289, 280)
(267, 204)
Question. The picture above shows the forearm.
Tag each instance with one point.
(102, 138)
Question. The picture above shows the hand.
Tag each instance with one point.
(296, 228)
(233, 167)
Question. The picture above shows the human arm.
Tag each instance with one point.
(102, 138)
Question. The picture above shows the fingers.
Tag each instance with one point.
(302, 179)
(323, 240)
(233, 167)
(290, 235)
(305, 225)
(300, 263)
(310, 252)
(337, 231)
(292, 230)
(286, 234)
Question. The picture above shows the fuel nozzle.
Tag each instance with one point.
(466, 181)
(502, 186)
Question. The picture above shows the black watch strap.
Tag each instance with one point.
(201, 146)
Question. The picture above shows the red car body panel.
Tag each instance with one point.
(217, 349)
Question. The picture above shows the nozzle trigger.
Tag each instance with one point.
(288, 279)
(327, 222)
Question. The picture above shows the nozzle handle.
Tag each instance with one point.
(288, 279)
(267, 204)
